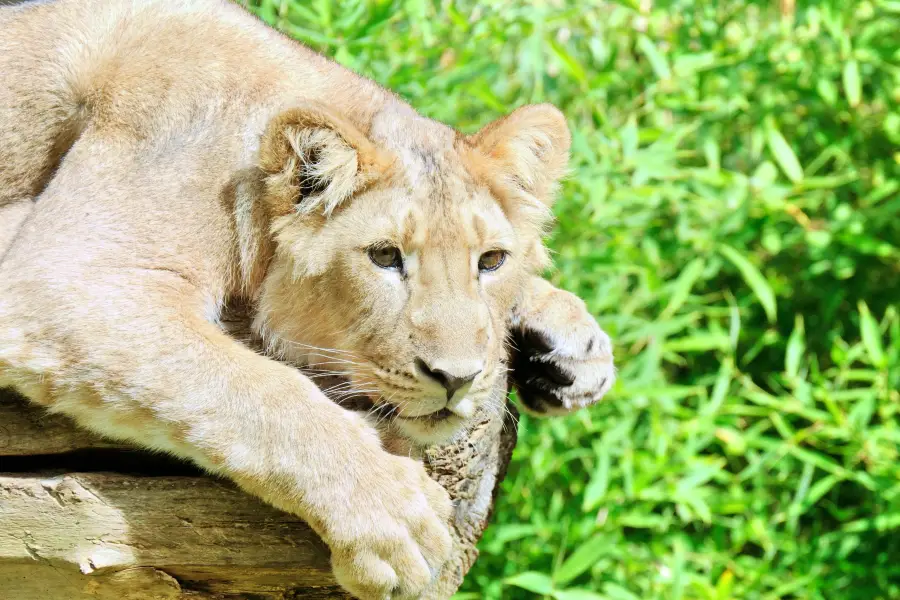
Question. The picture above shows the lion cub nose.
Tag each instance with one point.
(452, 383)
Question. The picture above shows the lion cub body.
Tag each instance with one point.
(160, 157)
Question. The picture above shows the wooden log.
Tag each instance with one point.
(86, 518)
(25, 431)
(78, 531)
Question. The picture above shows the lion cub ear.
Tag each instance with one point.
(315, 159)
(531, 148)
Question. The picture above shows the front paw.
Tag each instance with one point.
(395, 539)
(561, 360)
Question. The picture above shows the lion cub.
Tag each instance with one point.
(160, 157)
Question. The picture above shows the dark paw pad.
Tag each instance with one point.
(537, 379)
(536, 401)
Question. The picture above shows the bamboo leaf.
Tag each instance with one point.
(754, 279)
(657, 60)
(852, 85)
(871, 336)
(582, 559)
(783, 153)
(532, 581)
(682, 287)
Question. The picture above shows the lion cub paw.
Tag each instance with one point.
(395, 545)
(561, 360)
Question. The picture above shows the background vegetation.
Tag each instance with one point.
(733, 220)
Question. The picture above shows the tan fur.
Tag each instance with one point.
(153, 160)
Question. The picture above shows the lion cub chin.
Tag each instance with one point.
(445, 425)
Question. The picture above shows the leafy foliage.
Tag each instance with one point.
(733, 219)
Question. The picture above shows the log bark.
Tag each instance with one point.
(86, 518)
(86, 532)
(26, 431)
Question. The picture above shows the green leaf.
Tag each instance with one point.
(819, 489)
(657, 60)
(699, 342)
(682, 287)
(871, 336)
(577, 594)
(514, 531)
(861, 414)
(641, 521)
(617, 592)
(827, 90)
(754, 279)
(712, 153)
(662, 391)
(795, 347)
(721, 387)
(852, 85)
(782, 151)
(532, 581)
(628, 136)
(886, 522)
(572, 66)
(596, 489)
(582, 559)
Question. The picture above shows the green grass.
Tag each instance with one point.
(733, 220)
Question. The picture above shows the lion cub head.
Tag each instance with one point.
(397, 253)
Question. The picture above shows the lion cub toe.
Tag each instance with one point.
(398, 550)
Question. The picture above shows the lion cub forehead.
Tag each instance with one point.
(425, 150)
(432, 170)
(440, 201)
(472, 224)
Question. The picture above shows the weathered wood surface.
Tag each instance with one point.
(158, 529)
(77, 531)
(27, 431)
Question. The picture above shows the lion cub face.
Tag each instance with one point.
(398, 255)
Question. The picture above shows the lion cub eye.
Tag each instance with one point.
(491, 260)
(386, 257)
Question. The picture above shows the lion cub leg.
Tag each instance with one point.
(561, 360)
(139, 362)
